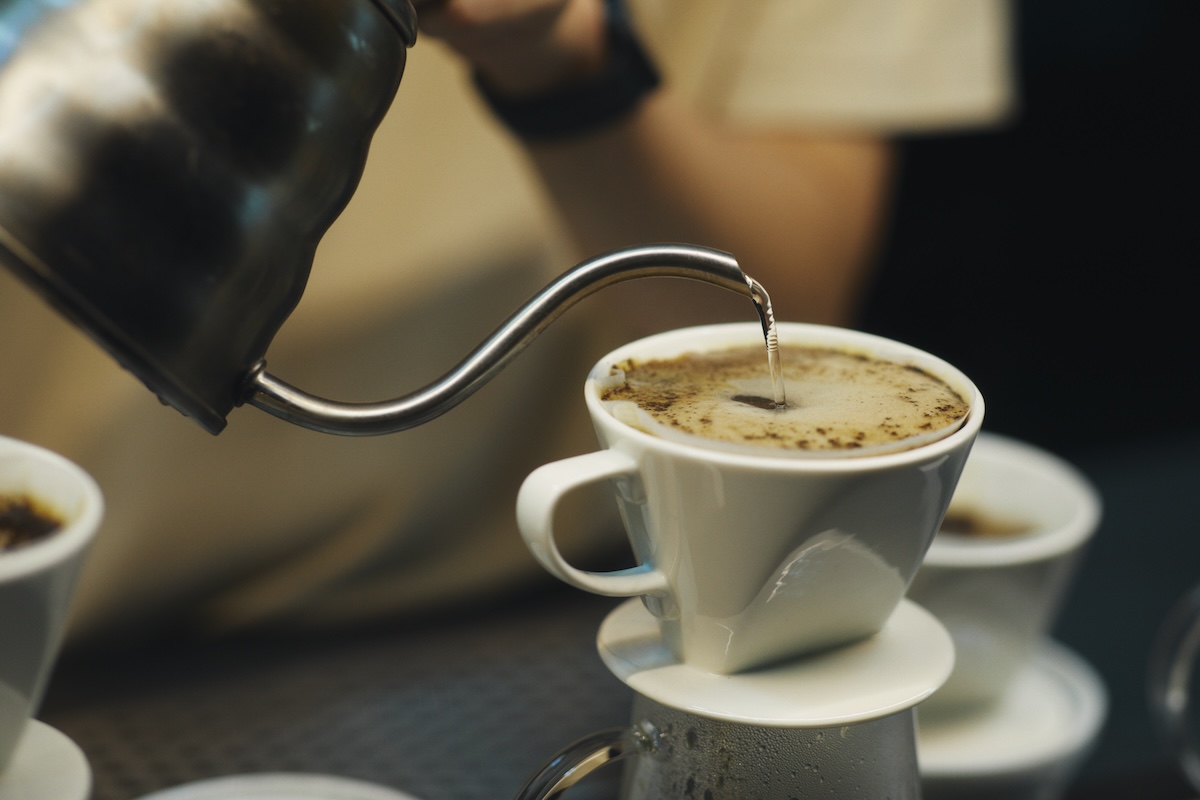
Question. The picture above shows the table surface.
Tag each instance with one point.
(466, 707)
(461, 708)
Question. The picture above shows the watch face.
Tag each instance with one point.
(590, 105)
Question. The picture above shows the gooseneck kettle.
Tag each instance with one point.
(167, 169)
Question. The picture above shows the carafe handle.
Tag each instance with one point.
(575, 762)
(1172, 665)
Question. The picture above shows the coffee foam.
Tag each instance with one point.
(840, 403)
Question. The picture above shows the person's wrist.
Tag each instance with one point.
(596, 97)
(532, 61)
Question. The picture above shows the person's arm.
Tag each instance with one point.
(800, 212)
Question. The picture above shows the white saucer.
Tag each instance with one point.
(1046, 721)
(279, 786)
(46, 766)
(886, 673)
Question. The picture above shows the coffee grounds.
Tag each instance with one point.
(22, 522)
(838, 401)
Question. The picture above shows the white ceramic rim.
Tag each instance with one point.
(711, 337)
(1070, 674)
(279, 785)
(46, 765)
(82, 521)
(961, 552)
(887, 673)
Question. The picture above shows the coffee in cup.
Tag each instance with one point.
(52, 510)
(23, 520)
(971, 523)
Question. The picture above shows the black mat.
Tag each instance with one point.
(462, 710)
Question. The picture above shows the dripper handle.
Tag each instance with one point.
(537, 504)
(368, 419)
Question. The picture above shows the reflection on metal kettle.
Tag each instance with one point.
(167, 170)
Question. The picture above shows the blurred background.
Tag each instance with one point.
(1053, 262)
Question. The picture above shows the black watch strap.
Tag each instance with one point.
(590, 105)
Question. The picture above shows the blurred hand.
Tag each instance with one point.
(521, 48)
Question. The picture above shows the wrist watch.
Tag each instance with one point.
(589, 105)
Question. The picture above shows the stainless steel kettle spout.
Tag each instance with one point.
(506, 342)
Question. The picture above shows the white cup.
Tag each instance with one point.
(748, 558)
(37, 580)
(999, 595)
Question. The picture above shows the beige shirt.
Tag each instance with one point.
(448, 233)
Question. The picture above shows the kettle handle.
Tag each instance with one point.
(403, 16)
(368, 419)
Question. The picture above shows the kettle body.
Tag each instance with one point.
(167, 169)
